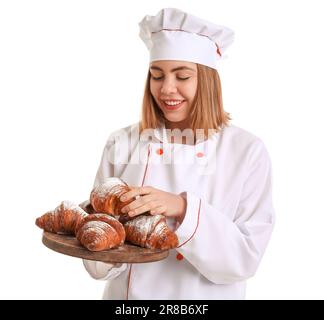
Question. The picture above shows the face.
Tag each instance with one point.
(173, 86)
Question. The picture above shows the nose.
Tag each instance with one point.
(168, 86)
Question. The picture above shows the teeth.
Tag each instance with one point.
(172, 103)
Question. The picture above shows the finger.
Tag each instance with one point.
(140, 210)
(143, 200)
(158, 210)
(138, 191)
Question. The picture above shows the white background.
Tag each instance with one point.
(71, 72)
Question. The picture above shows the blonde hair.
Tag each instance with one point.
(207, 108)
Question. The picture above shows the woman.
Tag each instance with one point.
(211, 180)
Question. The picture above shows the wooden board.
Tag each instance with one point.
(126, 253)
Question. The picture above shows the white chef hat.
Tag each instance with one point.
(176, 35)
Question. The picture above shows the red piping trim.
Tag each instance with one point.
(130, 268)
(195, 228)
(148, 156)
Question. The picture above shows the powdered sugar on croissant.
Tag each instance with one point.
(63, 219)
(99, 232)
(150, 232)
(104, 198)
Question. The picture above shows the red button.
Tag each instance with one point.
(179, 256)
(159, 151)
(200, 154)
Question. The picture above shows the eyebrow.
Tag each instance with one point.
(174, 69)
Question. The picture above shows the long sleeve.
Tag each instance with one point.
(106, 167)
(226, 248)
(97, 269)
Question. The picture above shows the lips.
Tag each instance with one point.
(172, 107)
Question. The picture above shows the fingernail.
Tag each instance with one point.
(122, 198)
(123, 210)
(130, 213)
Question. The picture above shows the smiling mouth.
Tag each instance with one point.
(173, 105)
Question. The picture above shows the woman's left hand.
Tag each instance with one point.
(154, 201)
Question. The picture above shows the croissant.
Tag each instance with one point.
(63, 219)
(99, 232)
(150, 232)
(87, 207)
(105, 197)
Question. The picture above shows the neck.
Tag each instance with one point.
(182, 125)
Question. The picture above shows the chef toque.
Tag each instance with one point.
(176, 35)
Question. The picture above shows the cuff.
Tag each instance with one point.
(103, 271)
(189, 225)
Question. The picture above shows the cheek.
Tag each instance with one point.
(189, 91)
(154, 89)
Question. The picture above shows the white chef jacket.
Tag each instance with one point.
(228, 221)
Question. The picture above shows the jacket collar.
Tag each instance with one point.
(161, 135)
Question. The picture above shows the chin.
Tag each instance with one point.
(175, 119)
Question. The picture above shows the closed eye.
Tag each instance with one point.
(156, 78)
(159, 78)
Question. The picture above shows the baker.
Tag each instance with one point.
(185, 160)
